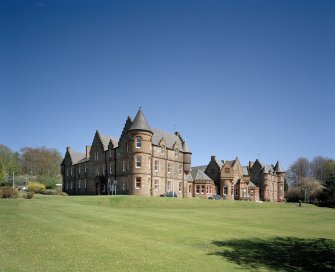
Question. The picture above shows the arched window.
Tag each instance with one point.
(138, 142)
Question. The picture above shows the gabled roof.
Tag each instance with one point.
(105, 139)
(199, 175)
(169, 138)
(76, 156)
(245, 170)
(140, 122)
(279, 168)
(200, 167)
(189, 178)
(251, 185)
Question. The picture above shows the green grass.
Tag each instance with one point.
(128, 233)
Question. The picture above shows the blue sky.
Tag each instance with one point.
(253, 79)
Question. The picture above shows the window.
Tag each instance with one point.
(149, 163)
(156, 184)
(138, 161)
(202, 189)
(127, 147)
(85, 168)
(78, 169)
(236, 191)
(225, 190)
(110, 153)
(256, 175)
(71, 171)
(110, 169)
(103, 188)
(227, 170)
(138, 142)
(210, 190)
(180, 186)
(197, 191)
(71, 184)
(169, 167)
(97, 156)
(79, 181)
(169, 185)
(124, 165)
(176, 153)
(163, 150)
(85, 184)
(207, 189)
(180, 170)
(67, 172)
(190, 188)
(156, 166)
(138, 183)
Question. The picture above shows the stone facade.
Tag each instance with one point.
(257, 181)
(144, 161)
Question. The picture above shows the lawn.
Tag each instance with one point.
(129, 233)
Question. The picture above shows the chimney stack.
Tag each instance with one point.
(88, 149)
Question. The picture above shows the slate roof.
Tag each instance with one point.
(105, 141)
(245, 170)
(266, 168)
(189, 178)
(170, 139)
(76, 156)
(279, 168)
(199, 175)
(140, 122)
(201, 167)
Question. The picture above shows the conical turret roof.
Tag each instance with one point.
(140, 122)
(279, 168)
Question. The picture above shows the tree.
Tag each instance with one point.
(40, 161)
(2, 175)
(10, 161)
(318, 167)
(298, 170)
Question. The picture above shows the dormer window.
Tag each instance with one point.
(163, 150)
(138, 142)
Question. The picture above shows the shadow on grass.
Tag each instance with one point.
(280, 253)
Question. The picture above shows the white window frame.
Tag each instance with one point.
(110, 169)
(140, 182)
(71, 172)
(79, 184)
(85, 183)
(138, 161)
(79, 169)
(156, 184)
(138, 142)
(156, 165)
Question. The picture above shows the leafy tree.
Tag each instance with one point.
(10, 161)
(41, 162)
(2, 175)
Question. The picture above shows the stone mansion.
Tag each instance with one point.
(149, 161)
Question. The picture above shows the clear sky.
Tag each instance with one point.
(253, 79)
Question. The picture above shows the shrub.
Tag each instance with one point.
(50, 192)
(29, 195)
(36, 187)
(63, 194)
(8, 192)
